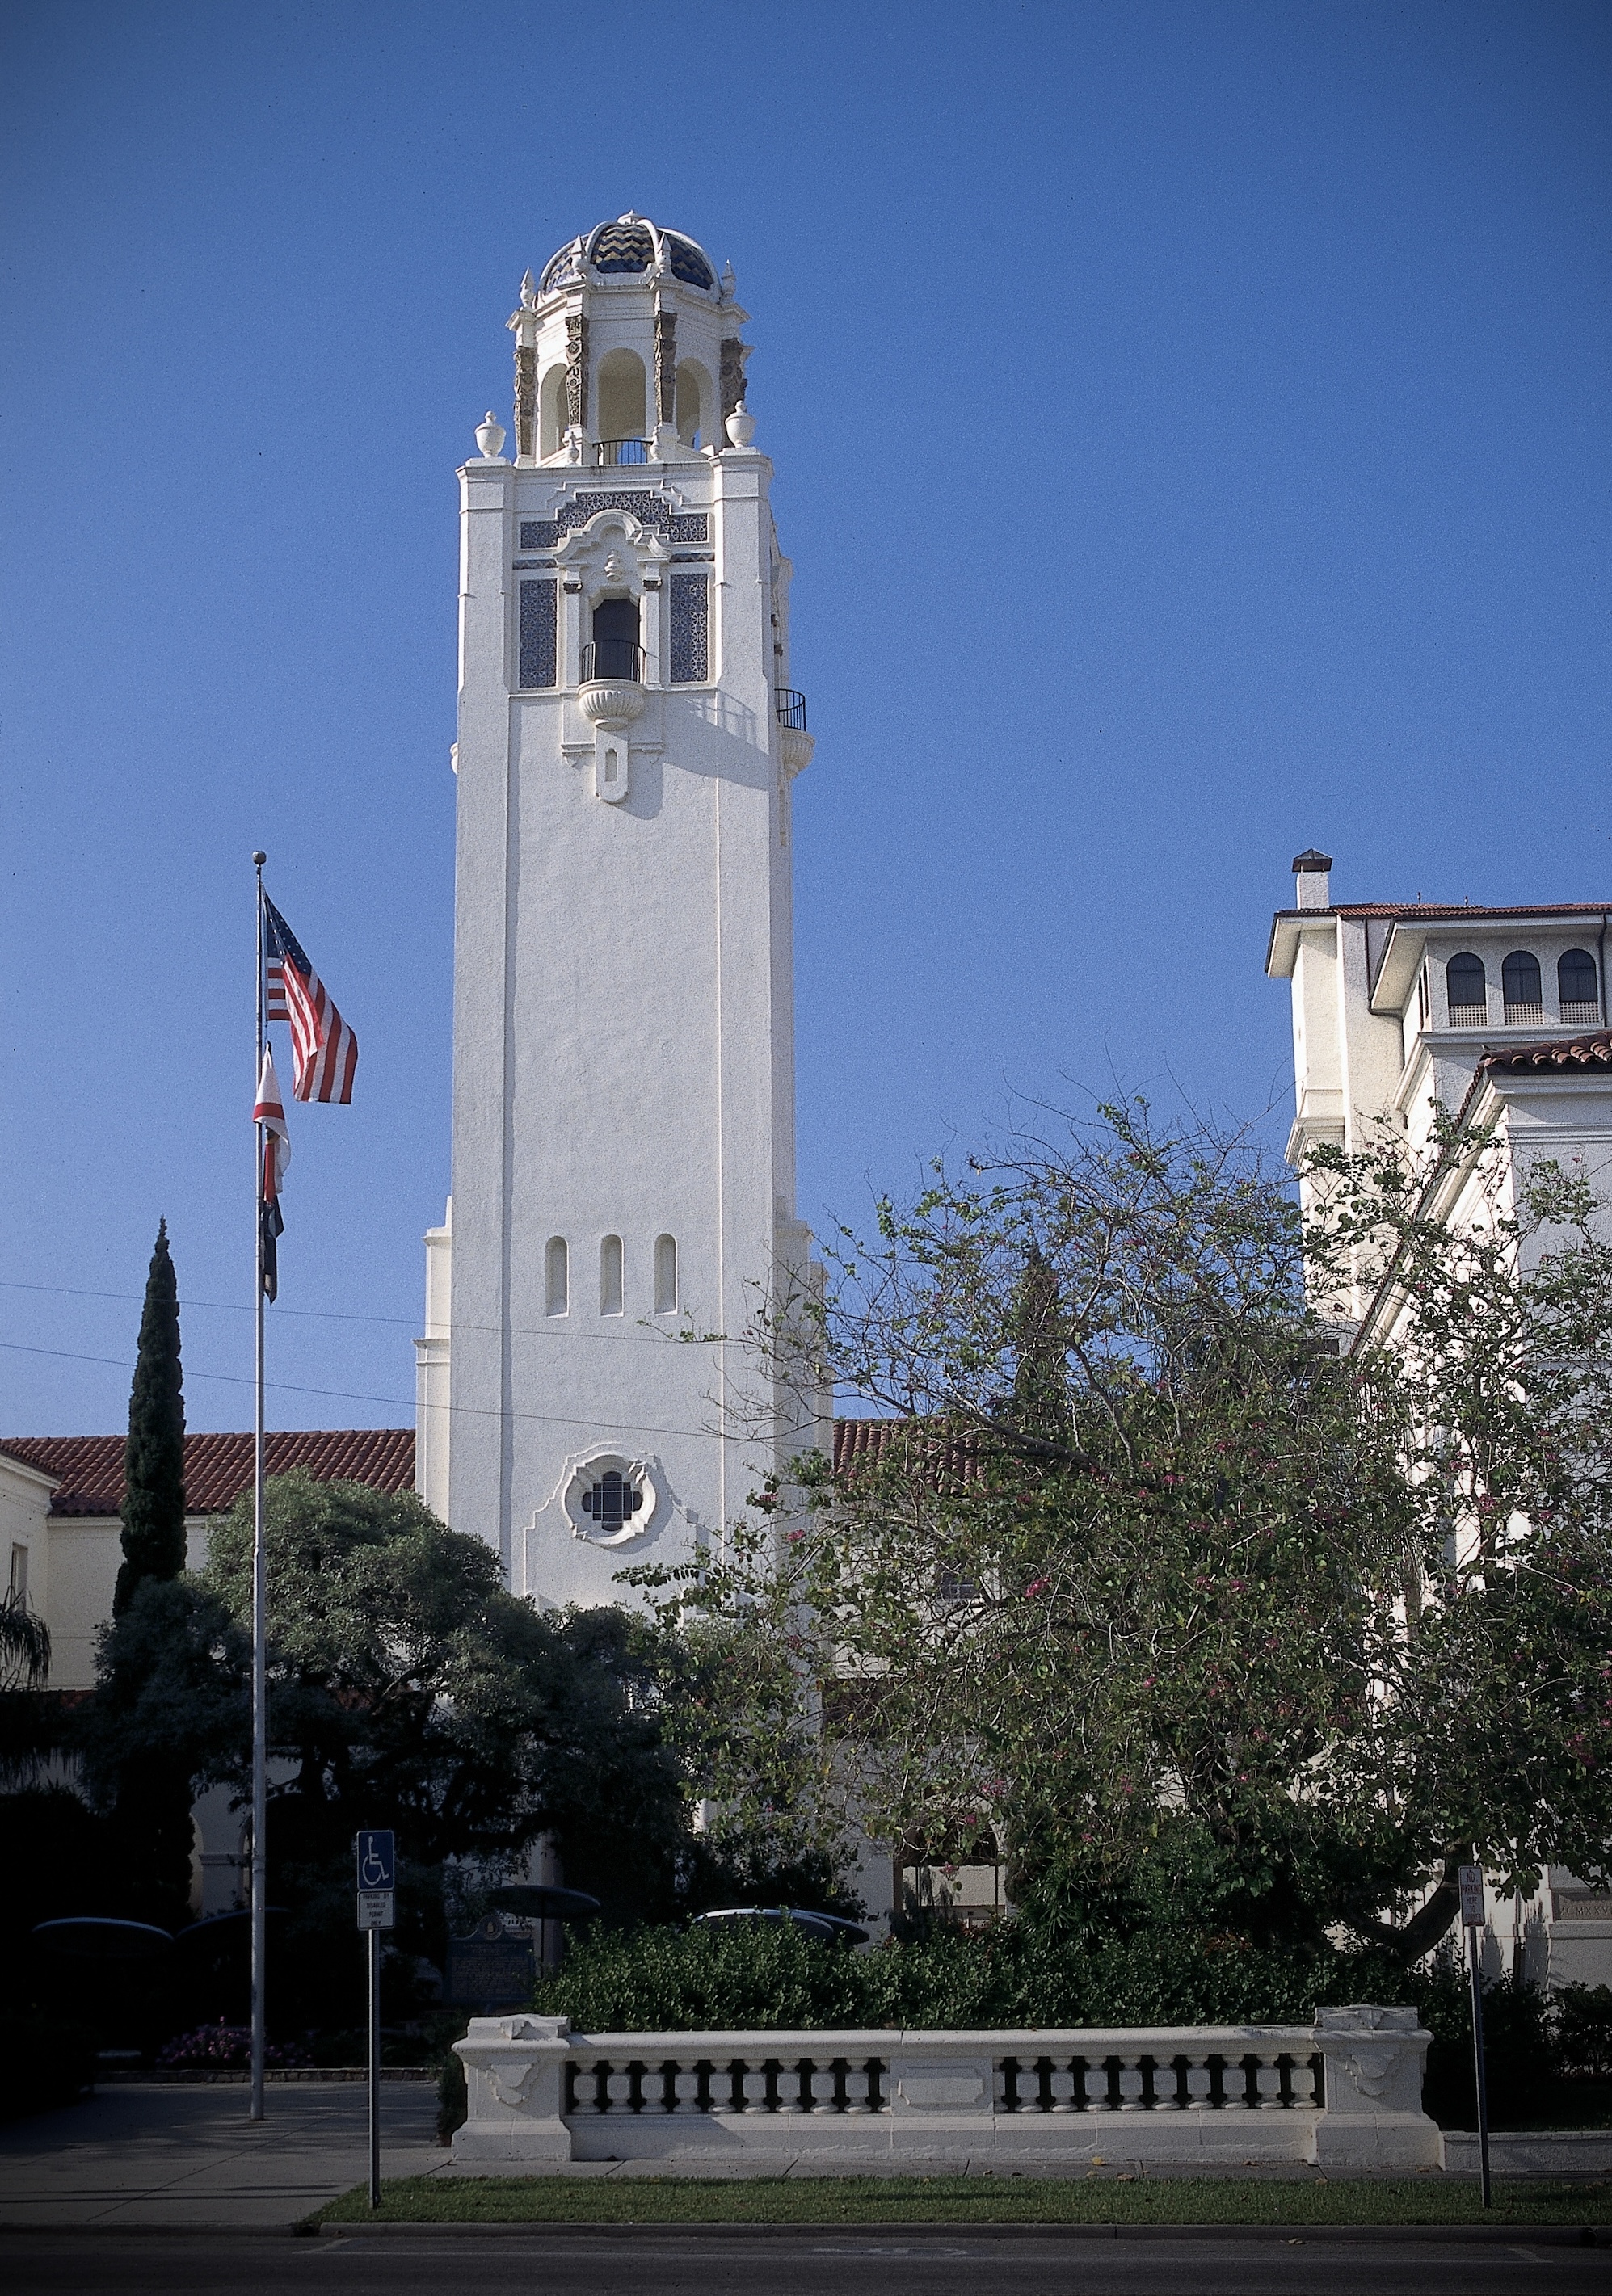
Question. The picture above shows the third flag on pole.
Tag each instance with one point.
(271, 1113)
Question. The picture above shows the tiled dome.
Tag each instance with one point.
(630, 243)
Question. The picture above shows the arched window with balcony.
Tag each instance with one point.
(557, 1277)
(622, 402)
(613, 651)
(1520, 987)
(666, 1276)
(610, 1276)
(1578, 987)
(1467, 988)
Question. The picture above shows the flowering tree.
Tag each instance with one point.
(1146, 1573)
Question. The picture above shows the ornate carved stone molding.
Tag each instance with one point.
(526, 402)
(666, 367)
(576, 370)
(734, 355)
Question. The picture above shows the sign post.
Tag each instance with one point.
(1472, 1922)
(376, 1853)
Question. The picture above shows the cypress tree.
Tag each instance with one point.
(154, 1459)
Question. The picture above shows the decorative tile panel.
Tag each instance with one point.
(649, 509)
(538, 649)
(690, 629)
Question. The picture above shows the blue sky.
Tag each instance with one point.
(1192, 437)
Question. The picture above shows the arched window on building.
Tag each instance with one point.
(1520, 985)
(1578, 986)
(694, 416)
(622, 404)
(1467, 988)
(666, 1276)
(557, 1277)
(551, 413)
(610, 1276)
(614, 650)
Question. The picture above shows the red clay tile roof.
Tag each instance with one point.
(1452, 912)
(865, 1441)
(218, 1468)
(1560, 1054)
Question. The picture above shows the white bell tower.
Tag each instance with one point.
(623, 1108)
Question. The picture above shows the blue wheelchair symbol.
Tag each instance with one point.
(377, 1860)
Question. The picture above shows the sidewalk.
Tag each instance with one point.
(146, 2154)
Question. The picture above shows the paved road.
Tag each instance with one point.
(807, 2262)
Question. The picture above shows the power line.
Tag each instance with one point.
(556, 1330)
(351, 1395)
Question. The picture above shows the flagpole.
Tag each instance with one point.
(260, 1666)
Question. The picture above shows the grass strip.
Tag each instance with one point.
(966, 2199)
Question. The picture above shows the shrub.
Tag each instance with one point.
(226, 2045)
(1584, 2030)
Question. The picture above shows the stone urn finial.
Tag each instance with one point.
(740, 426)
(490, 436)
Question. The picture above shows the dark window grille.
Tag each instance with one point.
(538, 656)
(690, 620)
(612, 1500)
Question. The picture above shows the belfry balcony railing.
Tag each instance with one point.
(608, 454)
(790, 707)
(612, 658)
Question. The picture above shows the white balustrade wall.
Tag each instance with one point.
(1344, 2091)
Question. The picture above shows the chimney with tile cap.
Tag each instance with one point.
(1311, 871)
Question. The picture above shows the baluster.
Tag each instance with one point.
(725, 2086)
(755, 2085)
(1001, 2085)
(1200, 2085)
(824, 2082)
(1302, 2081)
(1166, 2084)
(1234, 2084)
(596, 2074)
(1270, 2079)
(685, 2089)
(1131, 2085)
(617, 2090)
(1063, 2089)
(794, 2085)
(856, 2087)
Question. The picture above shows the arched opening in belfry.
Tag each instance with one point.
(694, 404)
(614, 650)
(551, 412)
(621, 394)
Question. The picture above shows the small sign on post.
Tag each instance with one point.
(375, 1851)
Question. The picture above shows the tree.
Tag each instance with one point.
(153, 1496)
(1151, 1580)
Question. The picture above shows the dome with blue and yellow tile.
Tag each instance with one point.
(631, 243)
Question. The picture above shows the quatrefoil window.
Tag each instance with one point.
(612, 1502)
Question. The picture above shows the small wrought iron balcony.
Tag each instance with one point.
(616, 658)
(608, 454)
(791, 707)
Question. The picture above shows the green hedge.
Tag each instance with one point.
(45, 2061)
(760, 1975)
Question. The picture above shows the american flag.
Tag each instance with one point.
(324, 1051)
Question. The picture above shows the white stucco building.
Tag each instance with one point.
(1497, 1015)
(623, 1116)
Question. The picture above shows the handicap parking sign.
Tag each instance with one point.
(377, 1852)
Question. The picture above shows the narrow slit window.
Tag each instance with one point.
(610, 1276)
(557, 1278)
(1578, 986)
(1467, 985)
(666, 1276)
